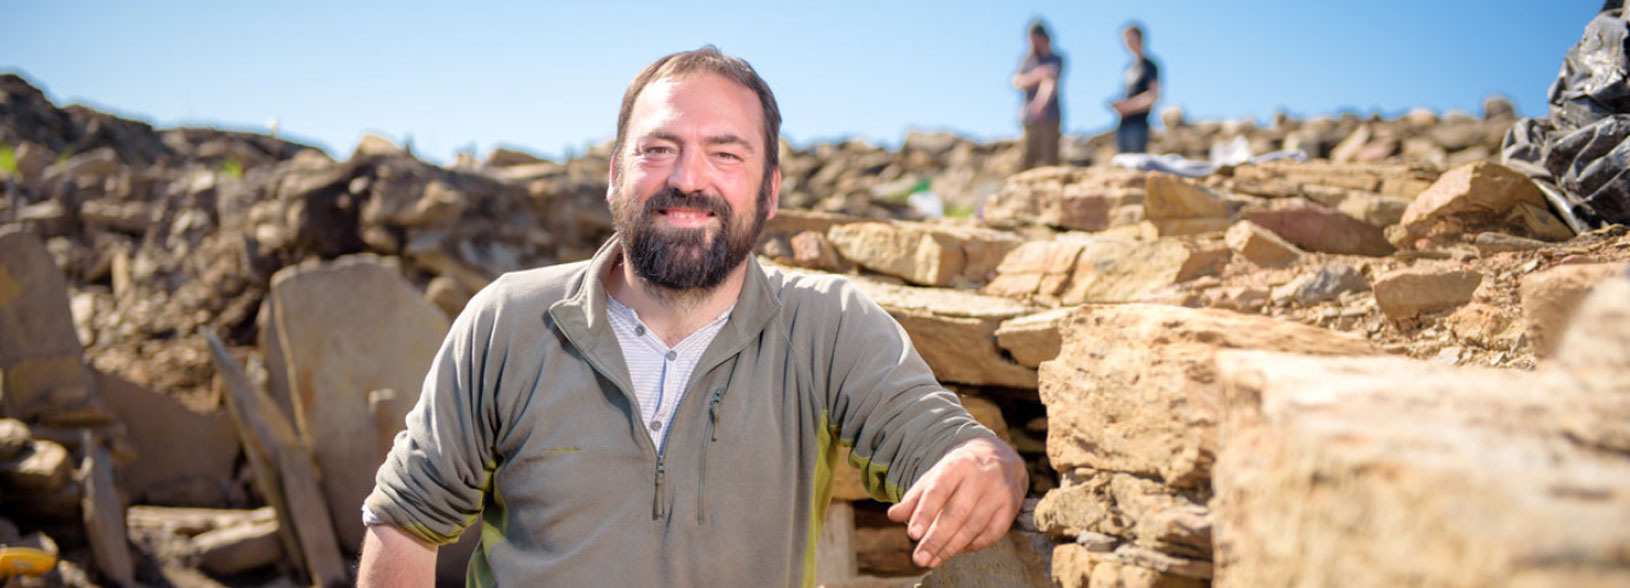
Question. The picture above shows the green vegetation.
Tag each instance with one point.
(231, 168)
(959, 211)
(8, 160)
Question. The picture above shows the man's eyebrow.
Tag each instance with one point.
(719, 139)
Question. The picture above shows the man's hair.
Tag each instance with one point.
(1039, 27)
(708, 59)
(1136, 29)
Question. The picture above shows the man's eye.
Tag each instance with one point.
(728, 155)
(658, 150)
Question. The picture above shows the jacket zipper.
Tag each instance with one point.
(657, 512)
(712, 436)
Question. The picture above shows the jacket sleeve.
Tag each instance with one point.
(432, 481)
(883, 400)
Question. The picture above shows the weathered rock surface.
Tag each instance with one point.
(955, 332)
(1449, 476)
(1550, 297)
(1132, 389)
(40, 366)
(1316, 228)
(1480, 196)
(344, 329)
(924, 254)
(1112, 269)
(183, 458)
(1177, 207)
(1034, 338)
(1019, 559)
(1410, 292)
(1128, 508)
(1260, 245)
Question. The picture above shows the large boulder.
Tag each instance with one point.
(1410, 292)
(1550, 297)
(955, 332)
(925, 254)
(183, 458)
(1477, 197)
(344, 329)
(1316, 228)
(41, 371)
(1390, 472)
(1132, 389)
(1179, 207)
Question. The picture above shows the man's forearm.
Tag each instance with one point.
(392, 558)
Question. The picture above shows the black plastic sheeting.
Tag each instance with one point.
(1580, 155)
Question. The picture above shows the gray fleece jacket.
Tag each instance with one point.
(527, 422)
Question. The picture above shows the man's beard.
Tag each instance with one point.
(679, 260)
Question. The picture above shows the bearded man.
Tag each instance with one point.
(669, 412)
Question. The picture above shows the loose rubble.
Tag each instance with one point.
(1182, 361)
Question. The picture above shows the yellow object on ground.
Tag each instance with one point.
(26, 561)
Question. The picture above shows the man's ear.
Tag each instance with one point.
(775, 193)
(611, 180)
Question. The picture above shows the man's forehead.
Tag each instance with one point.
(710, 96)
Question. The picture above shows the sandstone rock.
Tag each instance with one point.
(1596, 353)
(1111, 269)
(346, 328)
(1387, 471)
(935, 144)
(1034, 338)
(1128, 508)
(811, 249)
(1130, 390)
(1492, 243)
(1178, 207)
(1075, 567)
(372, 145)
(504, 157)
(103, 513)
(788, 222)
(238, 548)
(1316, 228)
(32, 159)
(183, 458)
(40, 367)
(1385, 179)
(1020, 559)
(1036, 268)
(933, 255)
(1410, 292)
(1550, 297)
(1498, 108)
(40, 468)
(1260, 245)
(1347, 150)
(129, 216)
(1475, 197)
(14, 438)
(955, 332)
(1064, 197)
(448, 294)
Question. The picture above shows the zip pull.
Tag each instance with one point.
(657, 512)
(713, 412)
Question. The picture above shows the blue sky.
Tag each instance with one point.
(546, 77)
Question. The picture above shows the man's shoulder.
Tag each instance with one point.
(802, 291)
(537, 287)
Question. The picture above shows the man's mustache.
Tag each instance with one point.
(699, 200)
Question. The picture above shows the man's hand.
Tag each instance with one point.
(966, 502)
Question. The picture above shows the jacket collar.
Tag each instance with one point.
(581, 314)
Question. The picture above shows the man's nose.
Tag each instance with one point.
(689, 172)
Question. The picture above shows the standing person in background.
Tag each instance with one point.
(1142, 91)
(1038, 78)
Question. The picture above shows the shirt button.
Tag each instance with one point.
(673, 355)
(656, 425)
(639, 330)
